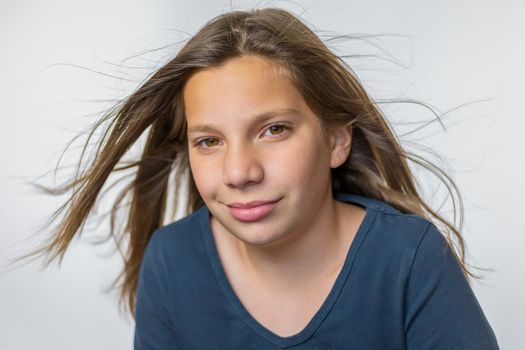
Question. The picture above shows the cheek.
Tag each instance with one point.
(203, 175)
(301, 163)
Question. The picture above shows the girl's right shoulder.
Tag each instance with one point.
(178, 235)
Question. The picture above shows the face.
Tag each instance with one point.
(252, 137)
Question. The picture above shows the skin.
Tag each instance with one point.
(308, 233)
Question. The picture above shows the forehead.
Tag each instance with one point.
(241, 87)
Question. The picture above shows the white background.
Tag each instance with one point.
(454, 52)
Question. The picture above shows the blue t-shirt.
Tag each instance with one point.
(400, 288)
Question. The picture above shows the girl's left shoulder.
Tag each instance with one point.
(394, 224)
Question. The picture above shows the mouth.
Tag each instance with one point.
(251, 204)
(252, 211)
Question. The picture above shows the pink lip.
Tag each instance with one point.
(252, 211)
(250, 204)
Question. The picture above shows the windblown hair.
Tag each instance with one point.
(377, 166)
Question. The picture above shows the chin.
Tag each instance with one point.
(259, 240)
(257, 234)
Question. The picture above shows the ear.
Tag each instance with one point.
(340, 144)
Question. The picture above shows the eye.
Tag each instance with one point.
(206, 143)
(277, 128)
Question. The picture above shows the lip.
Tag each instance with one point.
(250, 204)
(252, 211)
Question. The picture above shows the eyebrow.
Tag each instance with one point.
(255, 118)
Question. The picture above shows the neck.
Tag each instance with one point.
(317, 248)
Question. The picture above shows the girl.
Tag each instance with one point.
(304, 227)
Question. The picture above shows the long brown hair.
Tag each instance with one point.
(377, 166)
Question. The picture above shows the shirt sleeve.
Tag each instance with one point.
(441, 310)
(153, 326)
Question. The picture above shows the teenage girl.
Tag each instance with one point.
(304, 227)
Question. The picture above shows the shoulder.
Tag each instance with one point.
(399, 230)
(178, 230)
(386, 217)
(176, 240)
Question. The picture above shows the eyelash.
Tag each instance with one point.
(285, 131)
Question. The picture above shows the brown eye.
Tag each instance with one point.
(277, 129)
(208, 142)
(212, 143)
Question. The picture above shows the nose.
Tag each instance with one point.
(241, 167)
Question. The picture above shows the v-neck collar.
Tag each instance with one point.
(320, 315)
